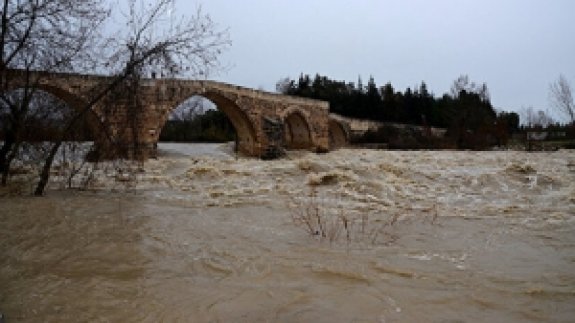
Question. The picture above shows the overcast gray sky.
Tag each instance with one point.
(517, 47)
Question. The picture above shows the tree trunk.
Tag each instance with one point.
(8, 162)
(45, 175)
(4, 158)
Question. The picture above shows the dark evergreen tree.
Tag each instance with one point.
(373, 102)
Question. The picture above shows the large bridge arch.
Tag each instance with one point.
(75, 101)
(242, 123)
(72, 100)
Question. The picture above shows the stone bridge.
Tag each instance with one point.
(265, 123)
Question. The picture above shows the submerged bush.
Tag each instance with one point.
(320, 218)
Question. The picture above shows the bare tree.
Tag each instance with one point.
(283, 85)
(67, 36)
(191, 109)
(153, 41)
(562, 98)
(536, 118)
(47, 35)
(462, 83)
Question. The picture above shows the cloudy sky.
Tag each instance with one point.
(517, 47)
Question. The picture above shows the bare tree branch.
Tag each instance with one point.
(562, 98)
(67, 36)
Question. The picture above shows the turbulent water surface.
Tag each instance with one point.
(203, 236)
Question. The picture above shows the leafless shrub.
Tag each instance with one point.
(318, 217)
(71, 170)
(71, 163)
(562, 98)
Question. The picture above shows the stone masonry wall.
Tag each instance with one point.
(247, 109)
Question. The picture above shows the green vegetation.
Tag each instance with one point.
(213, 126)
(466, 113)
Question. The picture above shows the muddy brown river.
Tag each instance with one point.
(203, 236)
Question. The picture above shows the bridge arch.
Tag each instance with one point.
(70, 100)
(74, 101)
(297, 130)
(244, 126)
(338, 134)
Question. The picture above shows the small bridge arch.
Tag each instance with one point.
(297, 129)
(338, 134)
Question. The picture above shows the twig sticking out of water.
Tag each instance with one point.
(320, 219)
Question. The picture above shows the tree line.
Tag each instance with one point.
(466, 112)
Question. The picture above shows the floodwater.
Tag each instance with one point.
(207, 237)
